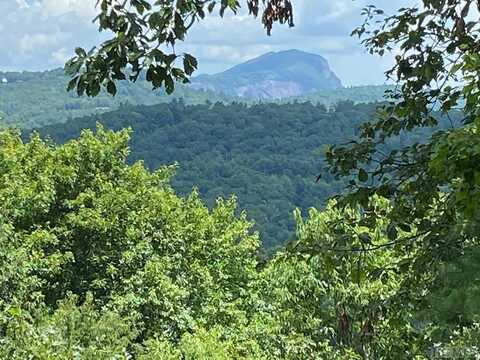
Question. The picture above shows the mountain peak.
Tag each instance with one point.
(273, 75)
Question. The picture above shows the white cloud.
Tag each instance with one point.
(32, 42)
(43, 33)
(22, 4)
(38, 34)
(321, 26)
(82, 8)
(60, 56)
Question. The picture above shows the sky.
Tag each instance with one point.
(42, 34)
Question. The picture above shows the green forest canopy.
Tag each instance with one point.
(359, 279)
(268, 155)
(34, 99)
(100, 260)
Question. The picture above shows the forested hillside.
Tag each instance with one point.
(102, 260)
(104, 256)
(357, 94)
(267, 155)
(32, 99)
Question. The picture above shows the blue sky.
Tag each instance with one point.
(41, 34)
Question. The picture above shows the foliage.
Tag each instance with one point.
(71, 332)
(100, 259)
(39, 99)
(452, 301)
(343, 298)
(433, 185)
(265, 154)
(34, 99)
(142, 32)
(357, 94)
(78, 220)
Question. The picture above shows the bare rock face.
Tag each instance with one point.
(273, 75)
(268, 89)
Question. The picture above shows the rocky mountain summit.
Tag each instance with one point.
(273, 75)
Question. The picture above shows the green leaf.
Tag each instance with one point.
(169, 85)
(392, 232)
(189, 64)
(362, 175)
(111, 88)
(80, 52)
(211, 6)
(72, 83)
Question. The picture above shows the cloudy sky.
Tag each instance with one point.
(41, 34)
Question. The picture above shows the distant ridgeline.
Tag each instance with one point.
(268, 154)
(272, 76)
(257, 130)
(357, 94)
(32, 99)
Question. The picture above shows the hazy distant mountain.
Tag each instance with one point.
(273, 75)
(32, 99)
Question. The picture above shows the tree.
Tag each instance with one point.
(337, 304)
(77, 220)
(144, 38)
(70, 331)
(432, 185)
(100, 259)
(265, 154)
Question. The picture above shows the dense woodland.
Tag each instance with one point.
(106, 253)
(356, 94)
(34, 99)
(267, 155)
(101, 260)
